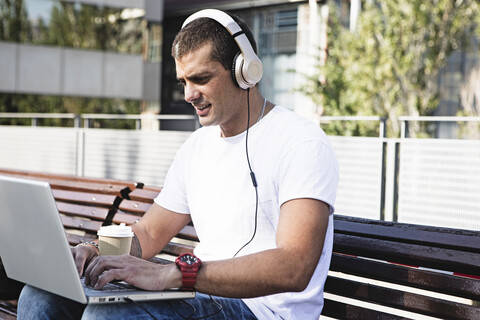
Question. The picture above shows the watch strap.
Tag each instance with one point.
(189, 278)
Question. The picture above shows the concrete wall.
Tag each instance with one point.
(71, 72)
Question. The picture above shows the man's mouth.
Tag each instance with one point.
(203, 107)
(202, 110)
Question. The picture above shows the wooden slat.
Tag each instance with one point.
(177, 249)
(82, 211)
(401, 300)
(340, 310)
(103, 188)
(81, 224)
(465, 240)
(134, 206)
(69, 178)
(411, 277)
(405, 253)
(127, 218)
(143, 195)
(82, 186)
(84, 197)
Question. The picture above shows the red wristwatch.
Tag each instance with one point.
(188, 264)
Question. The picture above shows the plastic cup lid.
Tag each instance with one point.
(116, 231)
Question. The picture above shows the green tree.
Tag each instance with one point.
(389, 66)
(14, 23)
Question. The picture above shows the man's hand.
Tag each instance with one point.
(83, 255)
(135, 271)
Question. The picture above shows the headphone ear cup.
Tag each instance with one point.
(237, 71)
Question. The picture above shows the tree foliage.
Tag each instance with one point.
(389, 66)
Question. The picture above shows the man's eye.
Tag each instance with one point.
(181, 83)
(202, 80)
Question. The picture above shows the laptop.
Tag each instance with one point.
(35, 250)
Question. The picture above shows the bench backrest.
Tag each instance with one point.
(403, 271)
(85, 204)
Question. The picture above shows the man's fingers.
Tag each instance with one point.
(80, 264)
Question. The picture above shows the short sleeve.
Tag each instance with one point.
(173, 195)
(308, 170)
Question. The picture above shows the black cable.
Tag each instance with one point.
(252, 176)
(194, 310)
(178, 313)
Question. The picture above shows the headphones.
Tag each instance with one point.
(247, 69)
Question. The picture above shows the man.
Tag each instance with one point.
(257, 181)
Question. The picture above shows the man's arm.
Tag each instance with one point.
(300, 238)
(156, 228)
(289, 267)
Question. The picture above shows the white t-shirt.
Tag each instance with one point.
(210, 180)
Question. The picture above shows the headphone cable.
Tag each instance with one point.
(252, 176)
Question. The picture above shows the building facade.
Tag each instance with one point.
(113, 56)
(105, 51)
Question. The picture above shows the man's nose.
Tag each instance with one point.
(191, 92)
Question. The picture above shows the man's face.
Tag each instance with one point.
(210, 89)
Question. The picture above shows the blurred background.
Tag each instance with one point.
(88, 88)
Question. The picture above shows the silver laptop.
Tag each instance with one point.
(34, 247)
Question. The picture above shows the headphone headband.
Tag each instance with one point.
(247, 68)
(217, 15)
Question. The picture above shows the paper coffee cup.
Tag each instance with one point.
(115, 239)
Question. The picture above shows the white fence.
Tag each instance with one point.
(360, 186)
(425, 181)
(142, 156)
(439, 182)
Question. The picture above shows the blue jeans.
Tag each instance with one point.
(38, 304)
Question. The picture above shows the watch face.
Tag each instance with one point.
(189, 259)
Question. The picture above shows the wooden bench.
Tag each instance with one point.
(379, 270)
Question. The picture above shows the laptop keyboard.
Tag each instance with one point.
(113, 286)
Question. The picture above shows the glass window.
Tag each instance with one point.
(72, 24)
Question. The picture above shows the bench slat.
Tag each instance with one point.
(143, 195)
(401, 300)
(84, 197)
(409, 233)
(340, 310)
(81, 224)
(82, 211)
(422, 279)
(127, 218)
(176, 249)
(405, 253)
(134, 206)
(68, 178)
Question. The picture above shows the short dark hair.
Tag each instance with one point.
(205, 30)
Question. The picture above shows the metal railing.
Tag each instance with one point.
(382, 121)
(35, 116)
(137, 117)
(405, 120)
(87, 118)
